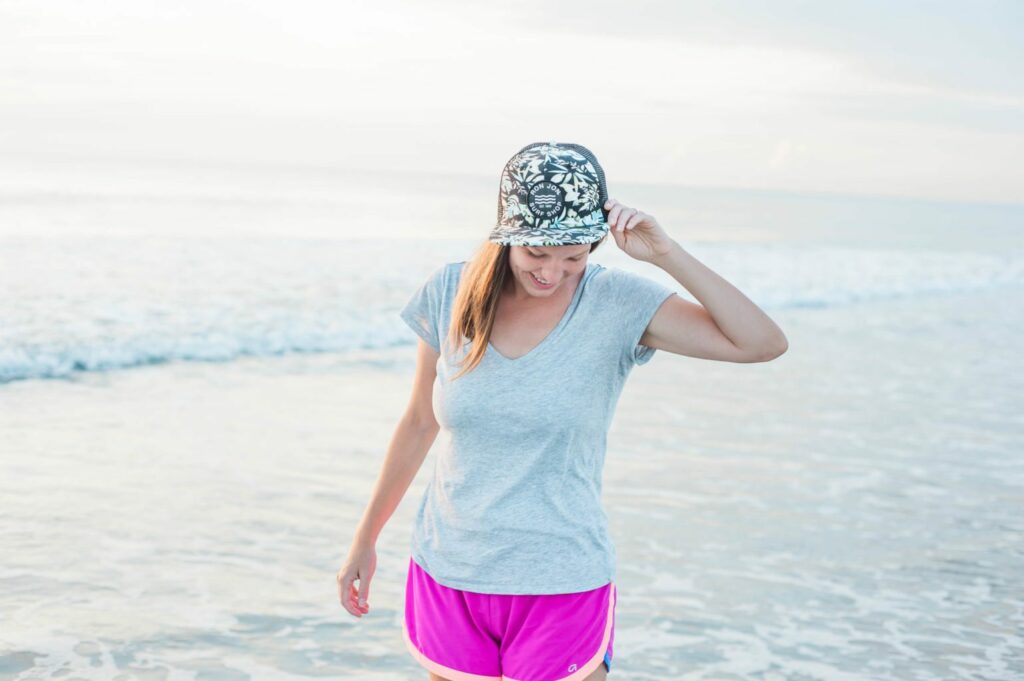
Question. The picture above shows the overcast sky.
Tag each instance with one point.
(921, 99)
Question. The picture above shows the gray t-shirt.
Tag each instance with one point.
(514, 506)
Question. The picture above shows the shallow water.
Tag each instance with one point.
(189, 430)
(849, 511)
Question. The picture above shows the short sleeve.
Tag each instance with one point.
(639, 298)
(423, 311)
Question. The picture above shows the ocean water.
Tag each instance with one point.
(201, 366)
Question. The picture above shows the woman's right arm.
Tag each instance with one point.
(410, 443)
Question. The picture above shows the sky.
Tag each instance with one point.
(895, 98)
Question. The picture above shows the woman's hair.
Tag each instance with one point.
(476, 302)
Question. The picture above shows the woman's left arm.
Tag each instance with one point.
(726, 326)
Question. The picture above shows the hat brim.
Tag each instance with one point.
(518, 236)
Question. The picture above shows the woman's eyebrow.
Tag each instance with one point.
(571, 256)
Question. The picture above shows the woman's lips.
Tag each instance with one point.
(537, 283)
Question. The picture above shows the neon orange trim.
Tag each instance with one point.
(440, 669)
(598, 658)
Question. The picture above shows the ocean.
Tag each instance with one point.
(201, 367)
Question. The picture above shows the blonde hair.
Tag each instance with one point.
(476, 302)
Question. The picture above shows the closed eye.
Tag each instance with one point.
(541, 255)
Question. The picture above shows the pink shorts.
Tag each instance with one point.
(470, 636)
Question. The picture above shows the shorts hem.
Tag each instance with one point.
(599, 657)
(438, 668)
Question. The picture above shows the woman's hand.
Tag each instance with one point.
(360, 564)
(637, 233)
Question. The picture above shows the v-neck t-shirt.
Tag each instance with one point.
(514, 504)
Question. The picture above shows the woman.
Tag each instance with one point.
(511, 573)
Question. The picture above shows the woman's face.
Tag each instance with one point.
(555, 265)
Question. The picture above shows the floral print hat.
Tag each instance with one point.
(551, 194)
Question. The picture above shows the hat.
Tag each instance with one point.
(551, 194)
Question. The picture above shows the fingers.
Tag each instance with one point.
(364, 594)
(361, 608)
(344, 584)
(614, 208)
(619, 215)
(344, 589)
(634, 220)
(351, 599)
